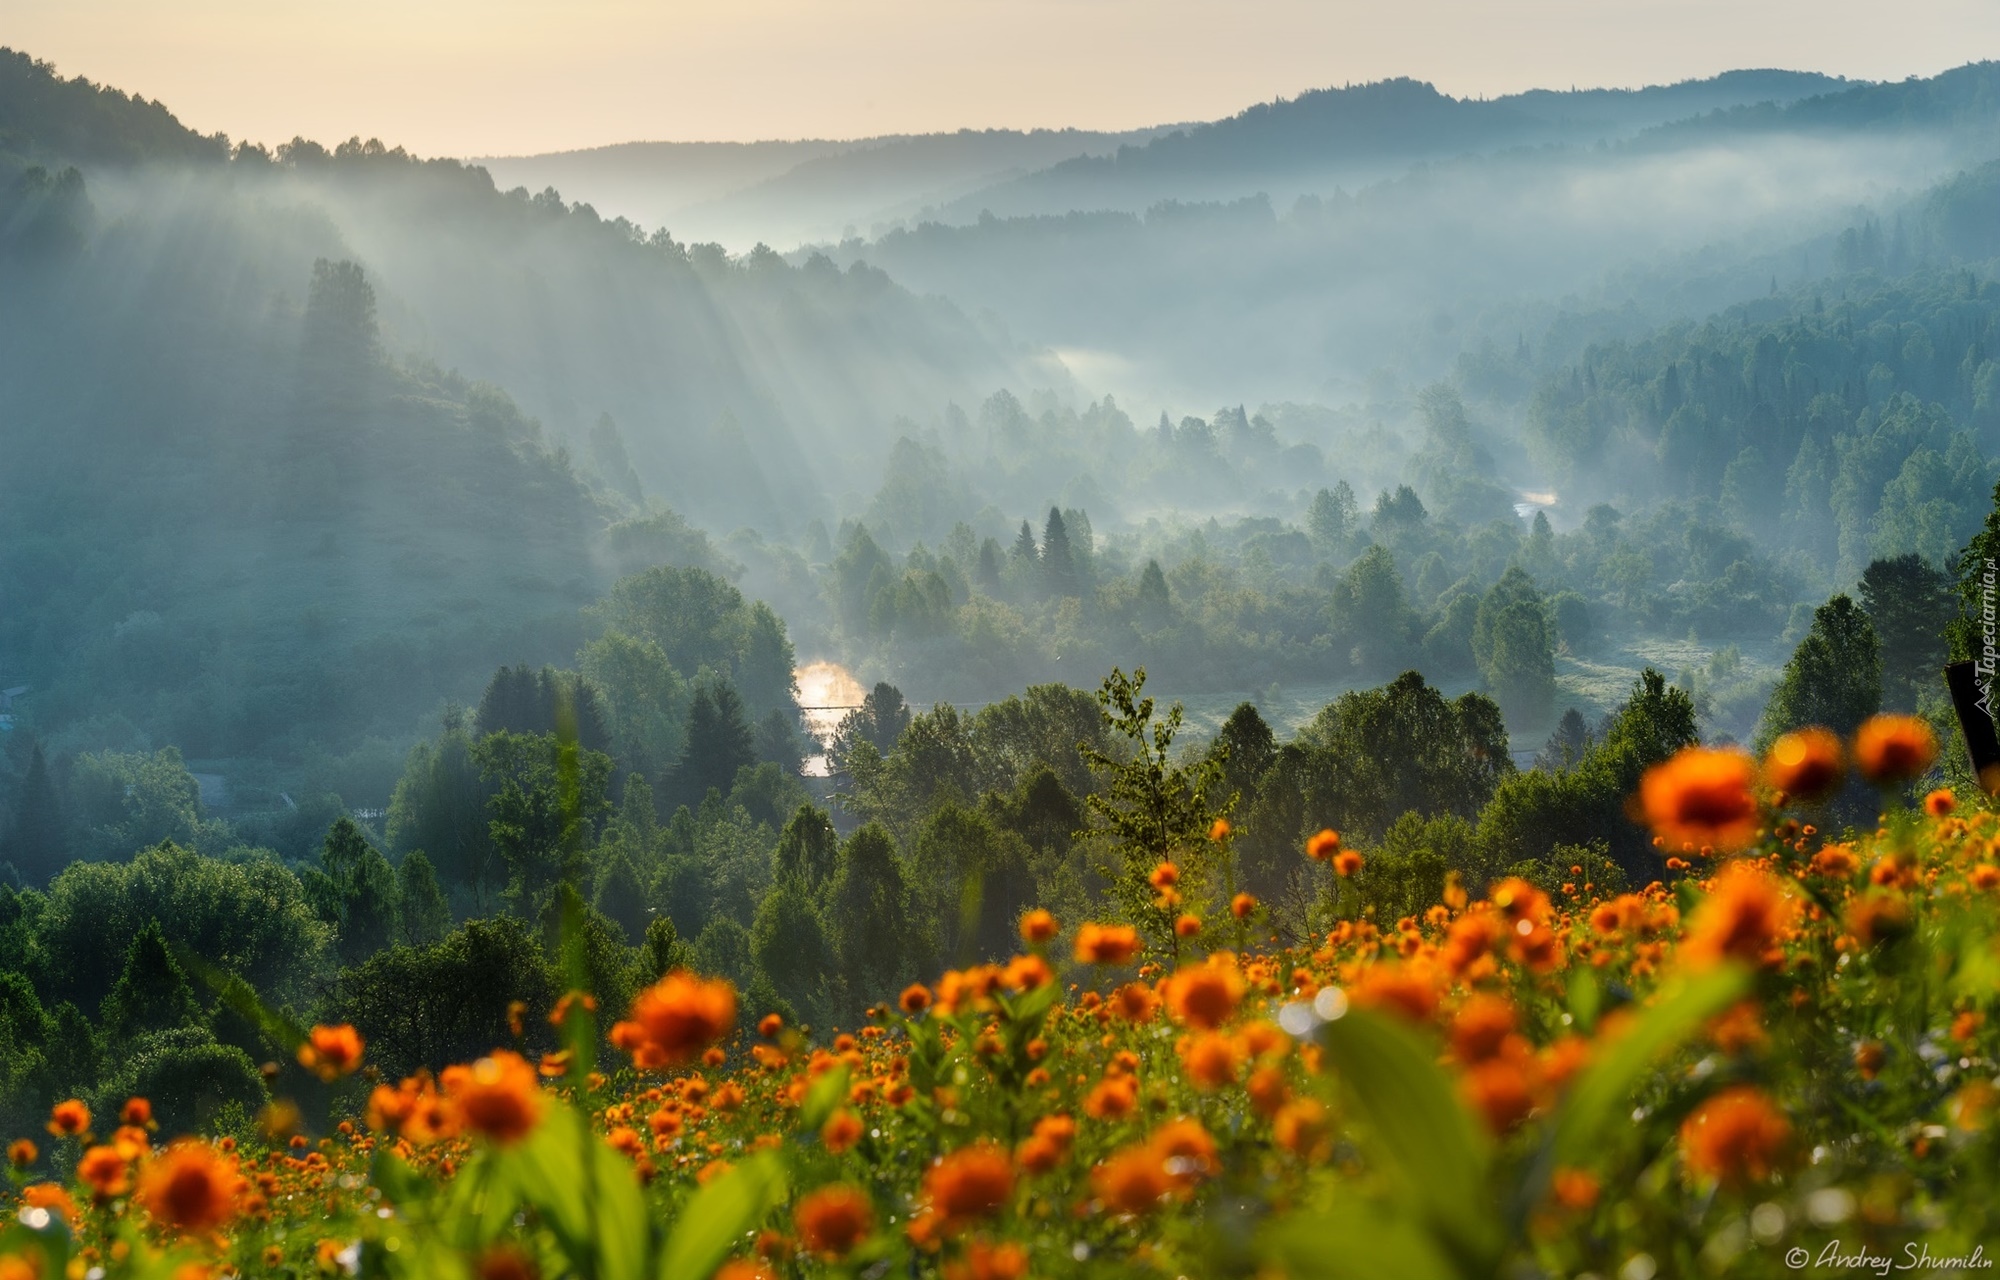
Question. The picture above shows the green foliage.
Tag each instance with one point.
(877, 941)
(1909, 603)
(788, 946)
(1151, 809)
(548, 799)
(1834, 677)
(151, 994)
(250, 918)
(440, 806)
(188, 1076)
(447, 1002)
(424, 913)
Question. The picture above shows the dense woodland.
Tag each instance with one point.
(399, 567)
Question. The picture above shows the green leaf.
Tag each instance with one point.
(719, 1215)
(1601, 1094)
(1421, 1130)
(619, 1225)
(827, 1092)
(1354, 1240)
(1585, 998)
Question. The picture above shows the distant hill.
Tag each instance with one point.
(1364, 132)
(782, 193)
(44, 117)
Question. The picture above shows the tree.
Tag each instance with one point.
(788, 946)
(719, 742)
(1909, 602)
(152, 993)
(1834, 677)
(1058, 564)
(881, 719)
(1246, 746)
(808, 848)
(1025, 551)
(548, 797)
(36, 843)
(663, 949)
(447, 1002)
(723, 950)
(620, 897)
(426, 917)
(875, 942)
(1151, 809)
(1372, 613)
(1404, 747)
(188, 1076)
(1333, 519)
(1155, 605)
(972, 882)
(440, 805)
(248, 917)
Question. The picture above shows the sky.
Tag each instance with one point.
(512, 77)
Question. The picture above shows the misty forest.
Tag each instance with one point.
(440, 595)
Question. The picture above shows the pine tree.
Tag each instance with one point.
(1058, 564)
(36, 844)
(1909, 602)
(426, 916)
(986, 575)
(1155, 605)
(719, 742)
(808, 848)
(621, 897)
(1024, 546)
(152, 993)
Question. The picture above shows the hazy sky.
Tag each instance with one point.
(469, 77)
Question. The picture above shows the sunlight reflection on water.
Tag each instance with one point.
(827, 692)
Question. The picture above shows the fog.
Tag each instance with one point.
(367, 426)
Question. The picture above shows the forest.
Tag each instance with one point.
(1381, 551)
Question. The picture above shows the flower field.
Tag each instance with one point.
(1781, 1058)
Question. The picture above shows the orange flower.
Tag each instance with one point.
(21, 1153)
(1499, 1091)
(1106, 944)
(1187, 925)
(770, 1025)
(1218, 831)
(841, 1131)
(498, 1096)
(832, 1220)
(1300, 1127)
(1164, 876)
(1940, 803)
(983, 1261)
(1399, 988)
(192, 1188)
(412, 1109)
(915, 999)
(331, 1052)
(1211, 1060)
(1984, 877)
(1268, 1091)
(675, 1018)
(1133, 1180)
(1835, 861)
(1346, 863)
(1205, 995)
(1135, 1002)
(1701, 797)
(1574, 1188)
(69, 1119)
(137, 1112)
(48, 1195)
(1322, 847)
(1736, 1137)
(1481, 1027)
(971, 1182)
(1242, 905)
(1879, 915)
(1805, 763)
(105, 1171)
(1894, 748)
(1185, 1149)
(1743, 918)
(1038, 926)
